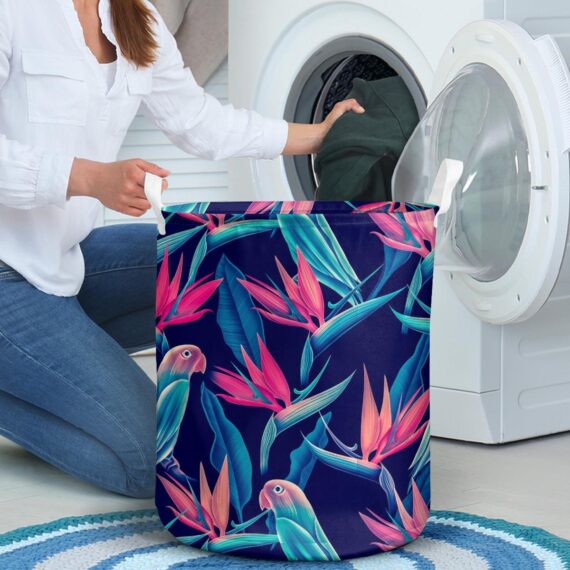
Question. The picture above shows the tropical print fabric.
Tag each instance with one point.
(293, 388)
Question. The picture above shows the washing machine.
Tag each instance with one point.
(490, 80)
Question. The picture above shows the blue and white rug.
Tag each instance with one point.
(137, 541)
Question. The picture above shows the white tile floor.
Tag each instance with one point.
(527, 483)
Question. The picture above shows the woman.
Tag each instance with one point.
(78, 300)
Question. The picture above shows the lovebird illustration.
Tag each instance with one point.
(174, 374)
(300, 533)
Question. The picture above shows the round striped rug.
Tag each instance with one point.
(137, 541)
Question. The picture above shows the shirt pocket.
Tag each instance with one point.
(56, 87)
(138, 84)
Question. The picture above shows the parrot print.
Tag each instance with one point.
(173, 383)
(300, 534)
(293, 377)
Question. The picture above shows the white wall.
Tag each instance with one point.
(192, 178)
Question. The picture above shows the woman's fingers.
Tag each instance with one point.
(343, 107)
(152, 168)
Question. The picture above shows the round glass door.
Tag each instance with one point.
(476, 126)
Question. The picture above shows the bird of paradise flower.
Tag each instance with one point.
(267, 387)
(407, 231)
(381, 435)
(302, 302)
(178, 307)
(209, 514)
(298, 207)
(401, 529)
(302, 305)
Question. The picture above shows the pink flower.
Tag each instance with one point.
(390, 207)
(209, 516)
(381, 435)
(407, 231)
(392, 535)
(209, 221)
(176, 308)
(265, 388)
(300, 207)
(302, 302)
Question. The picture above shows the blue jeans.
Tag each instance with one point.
(69, 391)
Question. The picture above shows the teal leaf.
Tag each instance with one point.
(237, 318)
(226, 234)
(228, 442)
(393, 260)
(414, 290)
(188, 208)
(350, 465)
(387, 483)
(175, 241)
(427, 266)
(267, 439)
(302, 394)
(322, 251)
(409, 378)
(338, 326)
(306, 361)
(199, 255)
(235, 542)
(336, 249)
(302, 459)
(417, 324)
(294, 414)
(422, 457)
(190, 540)
(300, 411)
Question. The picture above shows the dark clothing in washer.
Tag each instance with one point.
(359, 154)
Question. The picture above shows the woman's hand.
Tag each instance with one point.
(307, 139)
(117, 185)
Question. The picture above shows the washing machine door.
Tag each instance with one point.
(491, 151)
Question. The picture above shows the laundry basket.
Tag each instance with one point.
(293, 389)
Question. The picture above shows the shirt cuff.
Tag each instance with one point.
(53, 179)
(275, 133)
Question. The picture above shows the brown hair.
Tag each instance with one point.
(133, 24)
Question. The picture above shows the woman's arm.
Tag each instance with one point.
(199, 124)
(307, 139)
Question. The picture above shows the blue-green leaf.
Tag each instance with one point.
(199, 255)
(414, 289)
(267, 439)
(338, 326)
(190, 540)
(409, 378)
(393, 260)
(302, 459)
(417, 324)
(427, 266)
(350, 465)
(188, 208)
(230, 232)
(235, 542)
(306, 361)
(239, 321)
(300, 411)
(175, 241)
(422, 457)
(322, 251)
(228, 442)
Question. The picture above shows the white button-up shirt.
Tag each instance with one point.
(55, 105)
